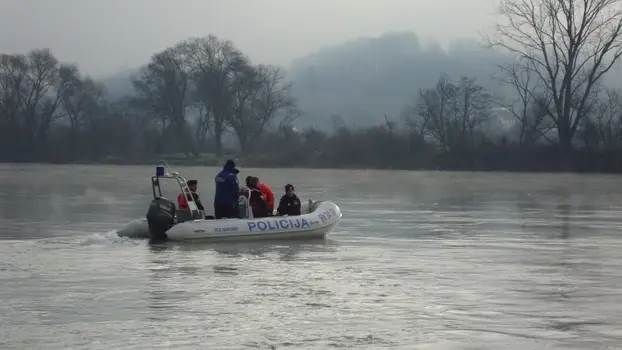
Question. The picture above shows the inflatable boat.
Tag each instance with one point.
(165, 221)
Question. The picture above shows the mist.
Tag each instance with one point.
(103, 38)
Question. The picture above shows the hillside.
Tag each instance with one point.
(364, 79)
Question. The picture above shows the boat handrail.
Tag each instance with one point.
(183, 185)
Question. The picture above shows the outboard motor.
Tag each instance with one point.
(161, 217)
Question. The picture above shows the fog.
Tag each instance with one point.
(104, 37)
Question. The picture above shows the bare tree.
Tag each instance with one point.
(607, 120)
(473, 109)
(450, 113)
(81, 97)
(273, 98)
(203, 125)
(413, 121)
(389, 124)
(259, 95)
(416, 125)
(162, 88)
(214, 64)
(569, 45)
(434, 109)
(13, 86)
(247, 83)
(530, 107)
(30, 93)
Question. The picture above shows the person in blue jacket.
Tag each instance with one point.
(227, 192)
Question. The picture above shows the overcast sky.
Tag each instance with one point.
(106, 36)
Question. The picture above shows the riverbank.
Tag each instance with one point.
(509, 160)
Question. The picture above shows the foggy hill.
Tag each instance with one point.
(364, 79)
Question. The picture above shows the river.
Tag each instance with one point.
(420, 260)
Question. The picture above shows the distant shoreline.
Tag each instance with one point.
(579, 163)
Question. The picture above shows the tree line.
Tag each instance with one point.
(185, 99)
(199, 95)
(212, 80)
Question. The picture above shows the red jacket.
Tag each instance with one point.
(182, 202)
(268, 195)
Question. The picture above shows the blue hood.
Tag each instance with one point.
(230, 166)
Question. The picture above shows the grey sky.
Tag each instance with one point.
(105, 36)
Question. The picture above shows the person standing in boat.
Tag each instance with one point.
(227, 190)
(289, 204)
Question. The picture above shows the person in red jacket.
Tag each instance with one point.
(266, 192)
(182, 202)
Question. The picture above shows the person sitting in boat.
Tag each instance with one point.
(266, 192)
(227, 190)
(289, 204)
(256, 199)
(182, 202)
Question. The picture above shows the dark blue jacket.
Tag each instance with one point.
(227, 188)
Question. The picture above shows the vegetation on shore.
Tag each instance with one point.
(204, 100)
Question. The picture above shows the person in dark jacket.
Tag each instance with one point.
(227, 191)
(258, 204)
(289, 204)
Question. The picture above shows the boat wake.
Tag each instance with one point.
(109, 238)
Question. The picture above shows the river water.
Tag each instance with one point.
(421, 260)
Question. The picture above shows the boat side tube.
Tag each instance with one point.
(312, 225)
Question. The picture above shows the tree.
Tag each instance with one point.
(81, 99)
(416, 120)
(451, 113)
(569, 45)
(13, 71)
(434, 112)
(30, 93)
(528, 108)
(162, 88)
(213, 64)
(607, 120)
(473, 109)
(203, 126)
(259, 94)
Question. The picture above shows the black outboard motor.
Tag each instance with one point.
(161, 217)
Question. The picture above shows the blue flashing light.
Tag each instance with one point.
(159, 170)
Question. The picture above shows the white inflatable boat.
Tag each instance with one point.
(317, 220)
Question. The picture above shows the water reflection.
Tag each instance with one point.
(285, 249)
(563, 211)
(161, 295)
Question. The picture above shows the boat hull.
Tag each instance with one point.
(309, 226)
